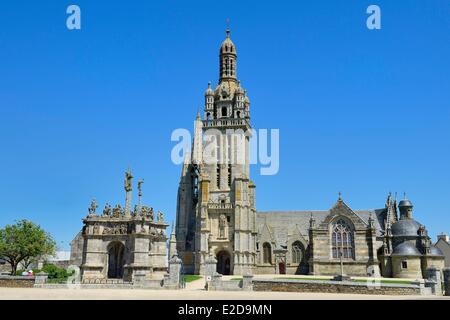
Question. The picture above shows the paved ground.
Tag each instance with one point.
(194, 291)
(187, 294)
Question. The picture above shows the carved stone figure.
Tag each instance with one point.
(128, 180)
(123, 229)
(107, 210)
(222, 225)
(160, 216)
(96, 229)
(147, 212)
(92, 207)
(135, 210)
(117, 211)
(140, 182)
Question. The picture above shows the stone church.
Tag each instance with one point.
(216, 216)
(216, 210)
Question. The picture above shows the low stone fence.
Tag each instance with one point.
(288, 285)
(215, 283)
(17, 281)
(171, 280)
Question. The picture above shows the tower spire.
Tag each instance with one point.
(227, 59)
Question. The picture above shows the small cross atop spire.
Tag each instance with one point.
(228, 27)
(340, 196)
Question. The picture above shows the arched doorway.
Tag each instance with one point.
(223, 263)
(282, 267)
(116, 260)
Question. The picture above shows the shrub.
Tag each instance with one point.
(55, 272)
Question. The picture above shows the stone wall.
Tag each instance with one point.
(5, 268)
(334, 287)
(16, 281)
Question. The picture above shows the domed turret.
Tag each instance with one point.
(209, 91)
(405, 228)
(406, 249)
(227, 45)
(227, 59)
(406, 209)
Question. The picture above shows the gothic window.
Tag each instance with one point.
(404, 265)
(229, 175)
(224, 111)
(267, 253)
(342, 240)
(238, 114)
(296, 252)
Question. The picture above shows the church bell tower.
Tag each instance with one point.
(216, 213)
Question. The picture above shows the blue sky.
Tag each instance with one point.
(362, 112)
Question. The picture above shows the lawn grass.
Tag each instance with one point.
(191, 277)
(315, 279)
(384, 281)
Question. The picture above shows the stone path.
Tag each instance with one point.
(193, 292)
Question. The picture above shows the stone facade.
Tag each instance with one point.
(443, 244)
(407, 251)
(216, 208)
(120, 243)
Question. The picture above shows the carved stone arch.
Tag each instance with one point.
(116, 259)
(224, 261)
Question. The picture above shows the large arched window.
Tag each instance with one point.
(267, 253)
(342, 240)
(297, 252)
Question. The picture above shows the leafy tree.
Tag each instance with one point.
(24, 241)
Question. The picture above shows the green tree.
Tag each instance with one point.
(24, 241)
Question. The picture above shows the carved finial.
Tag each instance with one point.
(228, 28)
(371, 220)
(340, 196)
(312, 221)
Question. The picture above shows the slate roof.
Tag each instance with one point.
(283, 222)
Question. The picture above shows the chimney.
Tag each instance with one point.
(443, 236)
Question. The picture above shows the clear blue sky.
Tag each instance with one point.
(361, 112)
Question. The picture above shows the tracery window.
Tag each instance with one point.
(267, 253)
(296, 252)
(342, 240)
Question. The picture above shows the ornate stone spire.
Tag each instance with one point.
(391, 211)
(172, 243)
(227, 59)
(197, 150)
